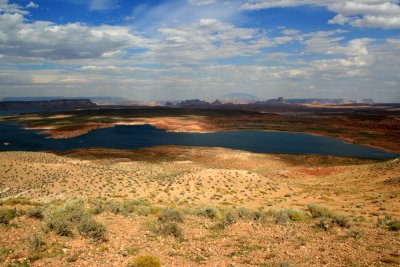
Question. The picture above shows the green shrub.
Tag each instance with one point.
(323, 224)
(171, 215)
(245, 214)
(342, 221)
(6, 215)
(116, 207)
(36, 213)
(324, 213)
(61, 226)
(209, 211)
(231, 217)
(259, 215)
(62, 219)
(90, 228)
(129, 205)
(98, 207)
(19, 264)
(394, 225)
(281, 217)
(137, 205)
(18, 201)
(320, 212)
(295, 215)
(391, 260)
(170, 228)
(4, 218)
(36, 242)
(145, 261)
(143, 210)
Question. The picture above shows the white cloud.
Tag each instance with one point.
(209, 39)
(202, 2)
(32, 5)
(148, 17)
(6, 7)
(358, 13)
(186, 56)
(70, 41)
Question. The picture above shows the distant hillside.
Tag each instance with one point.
(52, 104)
(95, 99)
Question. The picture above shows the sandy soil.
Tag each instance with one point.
(242, 244)
(203, 176)
(187, 177)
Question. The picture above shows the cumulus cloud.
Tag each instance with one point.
(70, 41)
(210, 39)
(203, 55)
(358, 13)
(32, 5)
(6, 7)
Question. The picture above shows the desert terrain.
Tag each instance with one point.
(193, 206)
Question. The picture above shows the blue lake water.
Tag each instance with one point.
(132, 137)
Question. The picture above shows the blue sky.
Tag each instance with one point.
(171, 50)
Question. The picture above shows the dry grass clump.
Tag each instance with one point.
(171, 215)
(145, 261)
(285, 215)
(90, 228)
(170, 228)
(392, 181)
(139, 206)
(18, 201)
(328, 218)
(6, 215)
(36, 242)
(389, 223)
(36, 213)
(209, 212)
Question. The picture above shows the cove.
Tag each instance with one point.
(14, 138)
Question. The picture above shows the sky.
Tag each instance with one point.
(185, 49)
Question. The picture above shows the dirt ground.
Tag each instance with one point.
(365, 191)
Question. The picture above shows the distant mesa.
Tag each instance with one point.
(216, 102)
(60, 104)
(102, 100)
(193, 102)
(329, 101)
(366, 101)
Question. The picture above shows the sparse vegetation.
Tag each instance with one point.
(222, 217)
(170, 228)
(320, 212)
(171, 215)
(394, 225)
(6, 215)
(36, 213)
(90, 228)
(328, 217)
(64, 219)
(36, 242)
(145, 261)
(209, 211)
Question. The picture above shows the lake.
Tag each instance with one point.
(14, 138)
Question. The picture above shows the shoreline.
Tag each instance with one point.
(55, 134)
